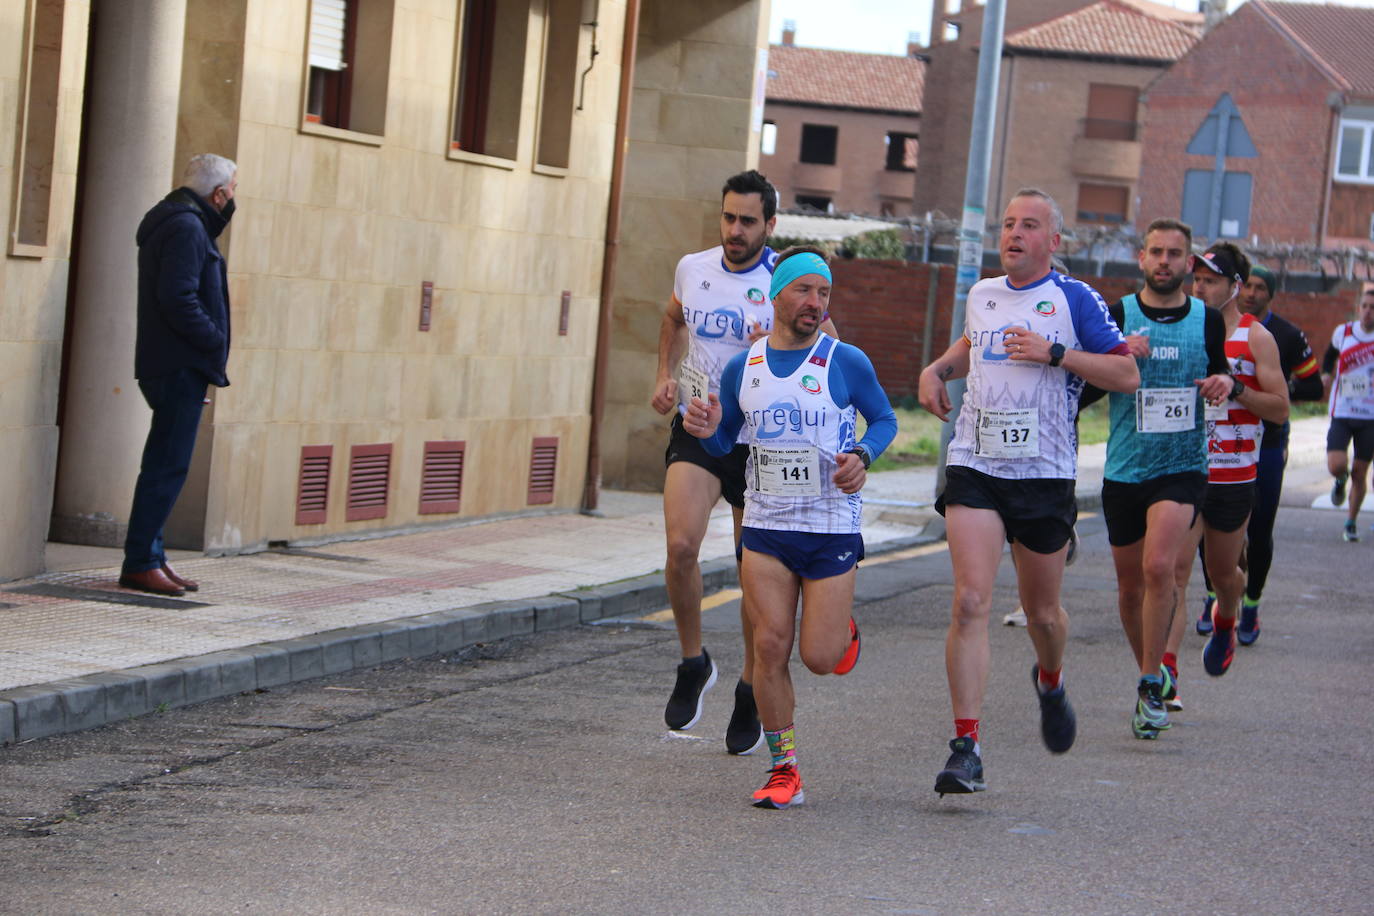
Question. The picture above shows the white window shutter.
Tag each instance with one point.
(327, 19)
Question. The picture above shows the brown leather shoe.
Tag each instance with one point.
(188, 584)
(151, 580)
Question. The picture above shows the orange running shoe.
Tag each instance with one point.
(782, 790)
(851, 655)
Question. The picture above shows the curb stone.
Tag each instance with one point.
(90, 701)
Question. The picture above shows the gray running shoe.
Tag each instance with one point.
(1150, 717)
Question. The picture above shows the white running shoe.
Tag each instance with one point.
(1016, 618)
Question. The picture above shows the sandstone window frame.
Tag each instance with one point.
(36, 138)
(350, 102)
(562, 50)
(489, 71)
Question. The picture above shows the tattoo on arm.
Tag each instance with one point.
(945, 373)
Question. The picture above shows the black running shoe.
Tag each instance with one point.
(963, 772)
(744, 734)
(1338, 490)
(1058, 724)
(684, 706)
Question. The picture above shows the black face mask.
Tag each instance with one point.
(227, 210)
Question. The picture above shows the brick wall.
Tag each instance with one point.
(880, 307)
(1282, 100)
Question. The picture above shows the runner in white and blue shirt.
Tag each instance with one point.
(793, 398)
(718, 308)
(1031, 340)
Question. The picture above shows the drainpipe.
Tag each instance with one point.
(1335, 102)
(591, 493)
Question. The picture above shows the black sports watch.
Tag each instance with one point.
(863, 456)
(1057, 352)
(1237, 387)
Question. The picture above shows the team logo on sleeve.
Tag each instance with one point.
(1045, 307)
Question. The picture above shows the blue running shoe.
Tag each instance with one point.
(1204, 623)
(1217, 654)
(963, 772)
(1247, 631)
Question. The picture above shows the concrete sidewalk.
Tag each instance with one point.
(77, 651)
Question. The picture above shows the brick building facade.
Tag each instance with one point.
(841, 129)
(1283, 78)
(1066, 118)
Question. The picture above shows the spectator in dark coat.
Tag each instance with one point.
(182, 347)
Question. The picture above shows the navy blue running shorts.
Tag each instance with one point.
(729, 469)
(1124, 505)
(1038, 513)
(805, 553)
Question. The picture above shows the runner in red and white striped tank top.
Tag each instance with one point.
(1233, 431)
(1234, 428)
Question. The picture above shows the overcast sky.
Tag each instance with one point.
(880, 26)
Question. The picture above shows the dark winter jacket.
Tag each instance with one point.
(183, 290)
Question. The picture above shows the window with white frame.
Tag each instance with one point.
(768, 141)
(1355, 152)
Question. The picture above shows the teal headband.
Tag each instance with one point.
(798, 265)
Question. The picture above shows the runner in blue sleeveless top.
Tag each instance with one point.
(793, 397)
(718, 309)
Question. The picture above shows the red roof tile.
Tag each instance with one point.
(847, 79)
(1338, 37)
(1107, 29)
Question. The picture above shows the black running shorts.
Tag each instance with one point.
(729, 469)
(1038, 513)
(1342, 431)
(1124, 505)
(1227, 505)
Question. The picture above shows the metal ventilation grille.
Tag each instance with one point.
(441, 477)
(369, 482)
(543, 468)
(312, 489)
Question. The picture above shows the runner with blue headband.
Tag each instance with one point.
(719, 307)
(794, 396)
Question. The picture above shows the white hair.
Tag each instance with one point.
(206, 172)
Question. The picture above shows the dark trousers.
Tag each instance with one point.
(1268, 489)
(177, 401)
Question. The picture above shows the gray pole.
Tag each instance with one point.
(975, 199)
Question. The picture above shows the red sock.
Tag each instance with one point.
(1222, 624)
(966, 728)
(1170, 661)
(1049, 680)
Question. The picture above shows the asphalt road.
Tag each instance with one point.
(535, 776)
